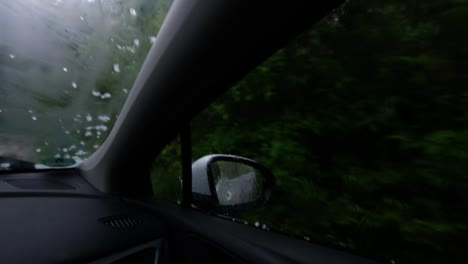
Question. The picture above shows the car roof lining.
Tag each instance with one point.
(202, 49)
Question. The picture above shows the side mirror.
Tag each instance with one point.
(229, 183)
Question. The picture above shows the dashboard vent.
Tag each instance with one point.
(120, 222)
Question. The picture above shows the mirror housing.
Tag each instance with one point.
(228, 183)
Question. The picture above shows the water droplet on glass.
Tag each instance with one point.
(96, 93)
(89, 118)
(96, 146)
(81, 18)
(81, 153)
(12, 56)
(307, 238)
(132, 12)
(30, 111)
(38, 150)
(257, 224)
(105, 96)
(65, 69)
(67, 156)
(125, 90)
(152, 39)
(74, 85)
(136, 42)
(34, 118)
(90, 1)
(101, 127)
(88, 134)
(82, 143)
(104, 118)
(116, 67)
(1, 110)
(264, 227)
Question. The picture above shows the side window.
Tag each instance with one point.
(166, 175)
(363, 122)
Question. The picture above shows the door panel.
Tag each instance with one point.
(195, 237)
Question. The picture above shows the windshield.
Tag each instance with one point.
(66, 68)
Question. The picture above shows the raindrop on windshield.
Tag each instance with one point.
(101, 127)
(104, 118)
(132, 11)
(116, 67)
(152, 39)
(65, 69)
(74, 85)
(34, 118)
(38, 150)
(12, 56)
(106, 96)
(81, 153)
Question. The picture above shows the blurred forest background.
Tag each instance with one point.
(363, 121)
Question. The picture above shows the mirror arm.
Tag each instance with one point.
(186, 153)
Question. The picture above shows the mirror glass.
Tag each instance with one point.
(237, 183)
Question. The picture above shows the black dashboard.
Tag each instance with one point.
(57, 217)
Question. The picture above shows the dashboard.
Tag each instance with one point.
(57, 217)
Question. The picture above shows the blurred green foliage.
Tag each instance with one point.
(363, 121)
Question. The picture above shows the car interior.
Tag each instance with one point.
(102, 211)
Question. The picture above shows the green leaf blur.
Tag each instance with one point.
(363, 121)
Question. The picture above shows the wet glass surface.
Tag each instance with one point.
(66, 68)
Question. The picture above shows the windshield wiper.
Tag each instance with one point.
(12, 164)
